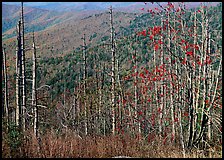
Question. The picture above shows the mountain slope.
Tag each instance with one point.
(35, 19)
(66, 37)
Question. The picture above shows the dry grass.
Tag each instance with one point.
(70, 146)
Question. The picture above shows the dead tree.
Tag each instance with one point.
(170, 71)
(34, 90)
(84, 78)
(113, 70)
(23, 71)
(100, 94)
(18, 77)
(136, 107)
(6, 109)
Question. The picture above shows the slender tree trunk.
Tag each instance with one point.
(155, 83)
(204, 81)
(6, 110)
(18, 77)
(209, 115)
(84, 78)
(181, 133)
(161, 83)
(96, 122)
(171, 87)
(23, 73)
(78, 99)
(194, 71)
(113, 71)
(119, 93)
(101, 96)
(34, 91)
(136, 107)
(74, 110)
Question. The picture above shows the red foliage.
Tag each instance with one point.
(208, 60)
(146, 71)
(199, 63)
(184, 61)
(189, 53)
(206, 101)
(156, 47)
(186, 114)
(170, 5)
(159, 110)
(142, 75)
(156, 30)
(175, 119)
(154, 79)
(140, 113)
(196, 47)
(151, 37)
(124, 102)
(160, 42)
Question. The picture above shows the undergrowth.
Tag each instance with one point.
(69, 145)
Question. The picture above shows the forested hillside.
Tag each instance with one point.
(145, 84)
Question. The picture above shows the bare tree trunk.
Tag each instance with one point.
(204, 75)
(101, 95)
(119, 93)
(171, 87)
(200, 72)
(113, 71)
(6, 111)
(189, 93)
(18, 77)
(155, 83)
(23, 73)
(209, 113)
(136, 107)
(161, 105)
(96, 122)
(181, 133)
(74, 105)
(84, 78)
(78, 99)
(34, 90)
(194, 71)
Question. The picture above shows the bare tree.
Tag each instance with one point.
(6, 103)
(34, 90)
(23, 72)
(18, 77)
(113, 105)
(84, 78)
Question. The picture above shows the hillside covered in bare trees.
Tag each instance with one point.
(111, 83)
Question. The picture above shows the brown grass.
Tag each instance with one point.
(70, 146)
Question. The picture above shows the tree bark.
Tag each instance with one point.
(18, 78)
(113, 71)
(23, 73)
(84, 78)
(34, 90)
(6, 111)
